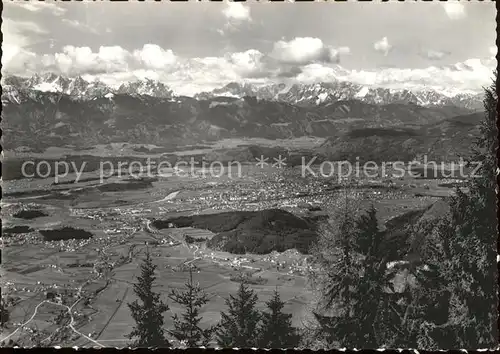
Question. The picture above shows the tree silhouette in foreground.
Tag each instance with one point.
(276, 329)
(472, 241)
(371, 300)
(4, 313)
(239, 326)
(336, 276)
(187, 327)
(369, 237)
(351, 279)
(148, 316)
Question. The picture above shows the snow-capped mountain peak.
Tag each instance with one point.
(362, 93)
(48, 87)
(10, 94)
(80, 88)
(146, 87)
(325, 93)
(322, 93)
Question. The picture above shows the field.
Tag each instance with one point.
(89, 280)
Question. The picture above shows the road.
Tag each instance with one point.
(71, 325)
(25, 323)
(68, 308)
(194, 250)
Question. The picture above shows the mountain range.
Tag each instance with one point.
(51, 110)
(14, 87)
(324, 93)
(297, 94)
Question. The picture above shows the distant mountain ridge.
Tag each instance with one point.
(50, 110)
(14, 87)
(324, 93)
(37, 120)
(296, 94)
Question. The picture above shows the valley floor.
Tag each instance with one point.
(73, 292)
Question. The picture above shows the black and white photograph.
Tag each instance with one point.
(254, 174)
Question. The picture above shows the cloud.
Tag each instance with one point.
(299, 50)
(235, 11)
(382, 46)
(79, 25)
(316, 72)
(17, 37)
(231, 67)
(344, 50)
(41, 6)
(203, 74)
(435, 54)
(110, 59)
(21, 26)
(335, 54)
(305, 50)
(469, 75)
(248, 63)
(76, 58)
(81, 60)
(493, 50)
(236, 15)
(17, 60)
(21, 33)
(454, 10)
(291, 72)
(155, 57)
(115, 65)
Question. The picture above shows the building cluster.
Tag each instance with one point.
(21, 239)
(279, 192)
(290, 262)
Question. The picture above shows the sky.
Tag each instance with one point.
(198, 46)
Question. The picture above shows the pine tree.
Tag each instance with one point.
(458, 304)
(370, 296)
(4, 313)
(454, 303)
(239, 326)
(355, 279)
(276, 329)
(187, 329)
(368, 237)
(473, 269)
(337, 275)
(148, 316)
